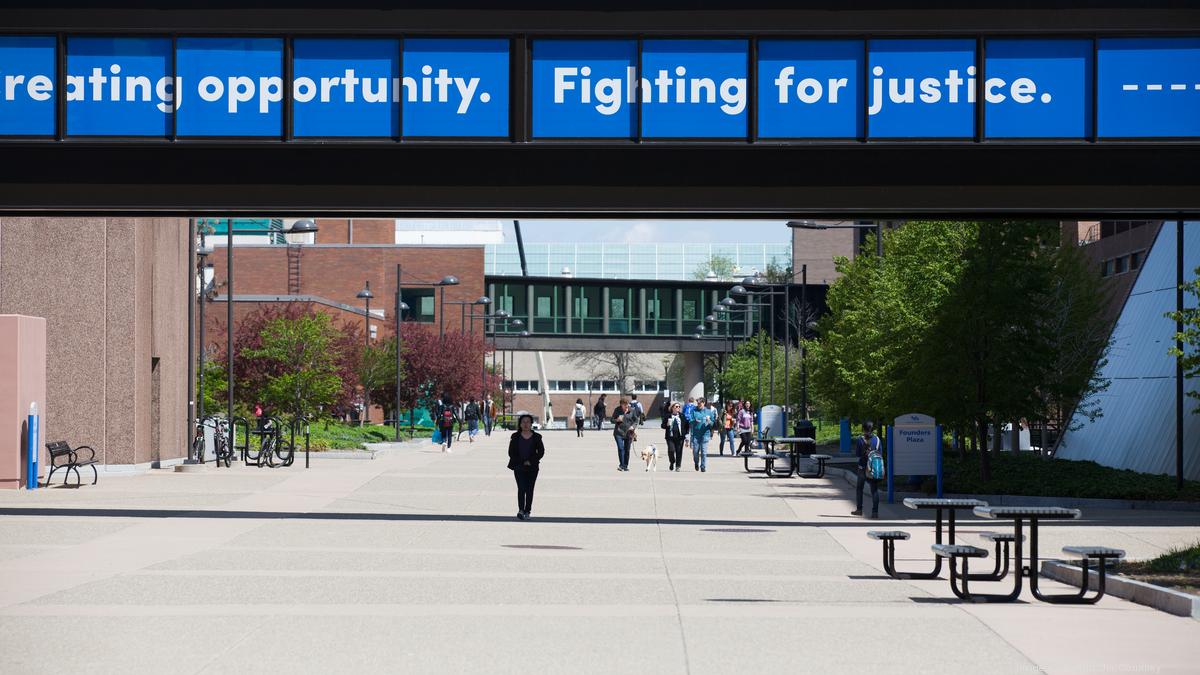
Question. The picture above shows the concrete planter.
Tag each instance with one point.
(1162, 599)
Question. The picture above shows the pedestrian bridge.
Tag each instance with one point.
(571, 314)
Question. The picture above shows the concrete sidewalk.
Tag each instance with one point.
(414, 562)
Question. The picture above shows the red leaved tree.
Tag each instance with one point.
(436, 365)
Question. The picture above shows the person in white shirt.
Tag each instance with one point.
(580, 413)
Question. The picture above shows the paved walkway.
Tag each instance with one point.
(415, 563)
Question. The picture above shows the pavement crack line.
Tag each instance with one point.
(687, 666)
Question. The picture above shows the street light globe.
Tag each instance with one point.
(483, 300)
(404, 307)
(524, 333)
(710, 317)
(365, 293)
(516, 323)
(500, 314)
(448, 280)
(739, 289)
(305, 226)
(727, 302)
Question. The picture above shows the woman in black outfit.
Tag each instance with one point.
(673, 424)
(525, 452)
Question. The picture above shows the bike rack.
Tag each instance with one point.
(245, 447)
(297, 423)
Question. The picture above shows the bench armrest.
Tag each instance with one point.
(75, 453)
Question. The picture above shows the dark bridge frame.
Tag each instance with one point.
(589, 179)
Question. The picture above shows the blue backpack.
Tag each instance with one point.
(876, 470)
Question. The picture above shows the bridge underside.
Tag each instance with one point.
(610, 343)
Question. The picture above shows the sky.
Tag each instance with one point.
(651, 231)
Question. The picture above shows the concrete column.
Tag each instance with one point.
(679, 311)
(642, 306)
(567, 309)
(693, 374)
(529, 302)
(604, 310)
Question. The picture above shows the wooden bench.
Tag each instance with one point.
(63, 457)
(957, 552)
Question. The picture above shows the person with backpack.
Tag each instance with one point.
(445, 416)
(471, 414)
(600, 411)
(580, 411)
(704, 422)
(870, 468)
(637, 408)
(672, 424)
(687, 419)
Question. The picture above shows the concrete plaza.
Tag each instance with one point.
(414, 562)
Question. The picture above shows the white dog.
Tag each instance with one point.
(650, 457)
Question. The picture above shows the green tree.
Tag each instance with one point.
(719, 265)
(1073, 320)
(1189, 357)
(304, 363)
(216, 386)
(376, 372)
(740, 379)
(779, 274)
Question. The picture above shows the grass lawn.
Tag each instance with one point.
(1178, 569)
(1027, 474)
(337, 436)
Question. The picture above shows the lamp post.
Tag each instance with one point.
(365, 295)
(448, 280)
(305, 226)
(401, 307)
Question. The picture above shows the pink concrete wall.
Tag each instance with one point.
(22, 381)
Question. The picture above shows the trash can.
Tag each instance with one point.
(806, 429)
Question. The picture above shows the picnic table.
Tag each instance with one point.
(939, 505)
(794, 453)
(1021, 515)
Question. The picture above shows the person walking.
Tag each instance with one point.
(672, 424)
(487, 416)
(525, 453)
(745, 427)
(600, 411)
(624, 421)
(726, 427)
(471, 413)
(637, 408)
(864, 445)
(445, 417)
(580, 411)
(687, 419)
(704, 421)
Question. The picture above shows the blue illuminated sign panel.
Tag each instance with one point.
(921, 89)
(584, 88)
(346, 87)
(27, 73)
(1038, 88)
(119, 86)
(1148, 87)
(455, 87)
(810, 88)
(230, 86)
(594, 89)
(695, 88)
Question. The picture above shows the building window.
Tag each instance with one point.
(1135, 260)
(420, 304)
(1119, 265)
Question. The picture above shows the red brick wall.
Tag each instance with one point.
(356, 231)
(338, 273)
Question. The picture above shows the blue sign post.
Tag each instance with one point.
(35, 447)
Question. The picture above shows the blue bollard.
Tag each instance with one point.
(31, 481)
